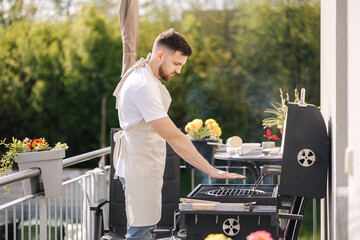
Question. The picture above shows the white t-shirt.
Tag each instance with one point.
(140, 98)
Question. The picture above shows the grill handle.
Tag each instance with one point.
(302, 102)
(291, 216)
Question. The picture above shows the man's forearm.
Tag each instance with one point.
(186, 150)
(181, 144)
(184, 147)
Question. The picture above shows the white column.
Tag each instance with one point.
(334, 107)
(353, 158)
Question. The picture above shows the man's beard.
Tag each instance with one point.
(163, 75)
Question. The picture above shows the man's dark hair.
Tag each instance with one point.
(174, 41)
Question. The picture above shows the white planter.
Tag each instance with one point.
(269, 144)
(51, 166)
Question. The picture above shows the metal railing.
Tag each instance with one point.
(67, 216)
(64, 217)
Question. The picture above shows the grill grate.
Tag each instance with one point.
(265, 194)
(235, 192)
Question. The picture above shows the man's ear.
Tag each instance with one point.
(160, 55)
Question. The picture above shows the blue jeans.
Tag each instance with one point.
(138, 233)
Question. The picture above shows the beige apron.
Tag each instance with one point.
(144, 152)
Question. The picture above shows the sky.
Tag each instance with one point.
(47, 8)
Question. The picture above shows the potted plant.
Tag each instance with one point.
(279, 111)
(269, 144)
(200, 134)
(36, 153)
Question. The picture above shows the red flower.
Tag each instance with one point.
(37, 142)
(34, 141)
(28, 143)
(269, 136)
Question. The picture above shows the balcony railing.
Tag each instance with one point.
(64, 217)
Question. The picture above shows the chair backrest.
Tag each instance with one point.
(171, 188)
(170, 192)
(117, 215)
(292, 228)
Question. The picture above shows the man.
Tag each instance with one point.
(143, 103)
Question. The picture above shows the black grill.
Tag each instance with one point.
(303, 174)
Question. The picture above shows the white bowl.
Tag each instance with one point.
(231, 150)
(250, 149)
(246, 146)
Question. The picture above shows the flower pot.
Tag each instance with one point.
(51, 166)
(206, 150)
(269, 144)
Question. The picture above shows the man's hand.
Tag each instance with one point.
(219, 174)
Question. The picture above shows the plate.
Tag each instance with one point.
(275, 151)
(251, 152)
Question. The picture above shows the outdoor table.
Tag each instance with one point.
(252, 162)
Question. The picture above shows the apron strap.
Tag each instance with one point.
(139, 63)
(119, 149)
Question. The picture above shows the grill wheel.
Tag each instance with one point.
(231, 227)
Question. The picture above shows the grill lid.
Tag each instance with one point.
(305, 153)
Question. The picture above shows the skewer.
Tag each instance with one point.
(267, 170)
(257, 184)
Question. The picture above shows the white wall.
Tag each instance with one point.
(354, 117)
(334, 107)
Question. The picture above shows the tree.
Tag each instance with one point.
(54, 77)
(15, 10)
